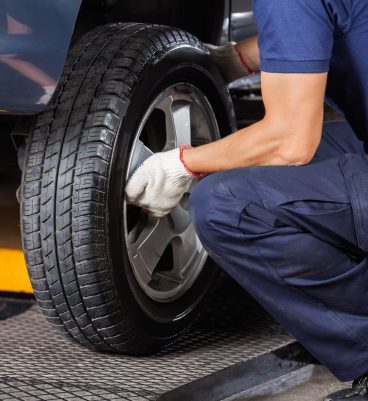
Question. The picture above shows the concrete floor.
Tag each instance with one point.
(311, 383)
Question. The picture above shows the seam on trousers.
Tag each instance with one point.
(278, 278)
(258, 190)
(348, 189)
(266, 206)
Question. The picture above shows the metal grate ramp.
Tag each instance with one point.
(232, 336)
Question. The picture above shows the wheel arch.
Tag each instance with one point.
(205, 19)
(49, 29)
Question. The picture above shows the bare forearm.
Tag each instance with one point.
(288, 135)
(253, 146)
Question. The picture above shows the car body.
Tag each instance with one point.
(35, 39)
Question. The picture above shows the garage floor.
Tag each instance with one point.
(39, 364)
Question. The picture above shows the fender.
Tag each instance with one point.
(35, 36)
(34, 41)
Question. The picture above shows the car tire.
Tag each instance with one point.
(125, 87)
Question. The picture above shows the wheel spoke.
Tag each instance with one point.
(166, 106)
(177, 121)
(180, 219)
(181, 121)
(186, 248)
(141, 153)
(147, 250)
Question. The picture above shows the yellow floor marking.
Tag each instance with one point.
(13, 271)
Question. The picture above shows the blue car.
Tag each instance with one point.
(90, 89)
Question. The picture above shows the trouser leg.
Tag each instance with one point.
(288, 236)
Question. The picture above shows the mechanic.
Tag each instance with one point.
(286, 211)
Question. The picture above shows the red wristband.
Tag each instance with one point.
(181, 149)
(246, 67)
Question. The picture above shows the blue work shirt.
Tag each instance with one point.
(314, 36)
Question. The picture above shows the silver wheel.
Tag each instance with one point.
(165, 254)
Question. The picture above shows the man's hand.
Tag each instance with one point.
(236, 60)
(160, 182)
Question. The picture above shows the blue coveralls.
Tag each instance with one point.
(296, 238)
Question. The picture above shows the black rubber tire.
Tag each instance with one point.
(73, 184)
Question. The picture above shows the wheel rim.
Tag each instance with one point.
(166, 255)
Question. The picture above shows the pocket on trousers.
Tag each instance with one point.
(355, 171)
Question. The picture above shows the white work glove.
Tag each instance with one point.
(229, 61)
(160, 182)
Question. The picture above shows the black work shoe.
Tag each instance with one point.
(358, 392)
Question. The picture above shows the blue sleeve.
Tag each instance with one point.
(295, 36)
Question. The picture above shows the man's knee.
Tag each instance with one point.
(215, 208)
(200, 209)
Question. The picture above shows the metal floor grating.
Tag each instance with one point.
(36, 363)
